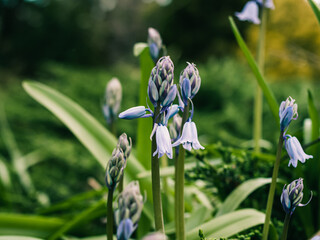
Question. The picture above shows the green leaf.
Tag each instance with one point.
(138, 48)
(228, 224)
(271, 100)
(11, 237)
(96, 138)
(235, 198)
(5, 178)
(313, 113)
(315, 9)
(33, 226)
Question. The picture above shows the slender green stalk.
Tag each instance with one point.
(110, 215)
(83, 216)
(258, 101)
(155, 176)
(120, 187)
(113, 128)
(272, 189)
(179, 185)
(285, 227)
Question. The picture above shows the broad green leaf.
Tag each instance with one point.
(25, 225)
(228, 224)
(138, 48)
(144, 124)
(315, 9)
(235, 198)
(96, 138)
(272, 102)
(12, 237)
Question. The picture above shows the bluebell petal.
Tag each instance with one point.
(125, 229)
(185, 90)
(268, 3)
(153, 93)
(196, 145)
(163, 142)
(154, 51)
(295, 151)
(134, 112)
(170, 96)
(250, 12)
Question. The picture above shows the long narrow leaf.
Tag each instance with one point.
(315, 9)
(228, 224)
(241, 193)
(272, 102)
(33, 226)
(12, 237)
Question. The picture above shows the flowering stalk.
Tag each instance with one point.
(272, 189)
(179, 184)
(155, 174)
(258, 101)
(285, 227)
(110, 215)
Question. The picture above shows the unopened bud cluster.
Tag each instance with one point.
(112, 102)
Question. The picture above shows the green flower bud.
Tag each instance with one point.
(115, 168)
(125, 145)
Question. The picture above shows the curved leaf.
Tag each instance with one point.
(12, 237)
(315, 9)
(138, 48)
(272, 102)
(228, 224)
(235, 198)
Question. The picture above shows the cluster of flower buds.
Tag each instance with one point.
(112, 100)
(130, 204)
(155, 43)
(118, 161)
(250, 11)
(288, 111)
(292, 195)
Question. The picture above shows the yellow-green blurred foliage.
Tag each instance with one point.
(292, 40)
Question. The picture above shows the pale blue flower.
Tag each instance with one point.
(295, 151)
(250, 12)
(163, 141)
(292, 195)
(155, 43)
(316, 238)
(189, 137)
(125, 229)
(288, 111)
(267, 3)
(136, 112)
(112, 100)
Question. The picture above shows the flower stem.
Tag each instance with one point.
(110, 215)
(258, 101)
(285, 227)
(120, 187)
(179, 185)
(272, 189)
(155, 174)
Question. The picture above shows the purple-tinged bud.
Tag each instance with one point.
(113, 96)
(175, 127)
(192, 74)
(135, 112)
(125, 229)
(115, 168)
(185, 90)
(153, 93)
(125, 145)
(164, 89)
(155, 43)
(292, 196)
(288, 111)
(170, 96)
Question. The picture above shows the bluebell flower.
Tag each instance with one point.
(250, 12)
(155, 43)
(136, 112)
(316, 238)
(189, 137)
(292, 195)
(267, 3)
(288, 111)
(163, 141)
(125, 229)
(295, 151)
(112, 100)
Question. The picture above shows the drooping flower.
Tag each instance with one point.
(288, 111)
(295, 151)
(292, 195)
(250, 12)
(115, 168)
(136, 112)
(163, 141)
(130, 204)
(113, 96)
(189, 137)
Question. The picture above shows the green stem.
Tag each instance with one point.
(285, 227)
(258, 102)
(179, 185)
(155, 175)
(110, 215)
(120, 187)
(113, 128)
(272, 189)
(83, 216)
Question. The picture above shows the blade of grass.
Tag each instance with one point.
(271, 100)
(315, 9)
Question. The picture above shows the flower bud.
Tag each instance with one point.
(134, 112)
(115, 168)
(288, 111)
(125, 145)
(292, 195)
(113, 96)
(130, 204)
(190, 82)
(125, 229)
(155, 43)
(170, 96)
(175, 127)
(153, 93)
